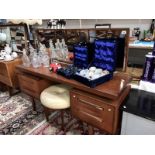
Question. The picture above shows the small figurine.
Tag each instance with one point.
(52, 23)
(55, 23)
(62, 23)
(54, 67)
(136, 32)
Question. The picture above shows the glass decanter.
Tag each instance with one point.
(53, 53)
(32, 50)
(45, 60)
(36, 60)
(25, 59)
(58, 49)
(65, 50)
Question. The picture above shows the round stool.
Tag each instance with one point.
(55, 97)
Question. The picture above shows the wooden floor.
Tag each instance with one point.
(135, 73)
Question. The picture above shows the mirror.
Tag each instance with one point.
(73, 36)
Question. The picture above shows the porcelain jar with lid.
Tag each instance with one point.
(8, 49)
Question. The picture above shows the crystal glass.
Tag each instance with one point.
(66, 52)
(36, 61)
(25, 59)
(45, 60)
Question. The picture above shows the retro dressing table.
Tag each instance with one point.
(97, 106)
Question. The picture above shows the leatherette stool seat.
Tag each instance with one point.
(56, 97)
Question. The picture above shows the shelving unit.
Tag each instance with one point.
(18, 34)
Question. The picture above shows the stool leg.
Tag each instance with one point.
(62, 119)
(33, 103)
(46, 110)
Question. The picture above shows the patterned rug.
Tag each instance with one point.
(18, 118)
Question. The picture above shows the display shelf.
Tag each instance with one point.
(17, 33)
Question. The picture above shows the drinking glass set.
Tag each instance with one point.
(41, 57)
(60, 51)
(35, 58)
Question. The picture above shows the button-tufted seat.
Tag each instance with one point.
(55, 97)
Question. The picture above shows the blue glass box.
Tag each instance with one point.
(104, 57)
(83, 54)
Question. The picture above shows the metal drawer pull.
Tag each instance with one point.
(28, 89)
(30, 82)
(97, 118)
(74, 96)
(109, 109)
(97, 107)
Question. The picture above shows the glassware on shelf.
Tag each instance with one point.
(66, 53)
(52, 50)
(65, 49)
(42, 48)
(25, 59)
(14, 47)
(8, 49)
(58, 49)
(32, 50)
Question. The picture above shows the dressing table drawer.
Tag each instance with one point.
(32, 85)
(92, 110)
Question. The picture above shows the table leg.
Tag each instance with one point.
(10, 91)
(90, 130)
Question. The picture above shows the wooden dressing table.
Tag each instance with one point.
(97, 106)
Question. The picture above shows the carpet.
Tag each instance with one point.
(18, 118)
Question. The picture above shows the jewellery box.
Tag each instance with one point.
(104, 61)
(68, 71)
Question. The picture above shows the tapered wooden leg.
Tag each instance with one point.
(81, 125)
(90, 130)
(33, 103)
(1, 87)
(9, 90)
(62, 119)
(47, 113)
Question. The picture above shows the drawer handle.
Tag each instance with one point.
(109, 109)
(28, 81)
(74, 96)
(26, 88)
(97, 107)
(98, 119)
